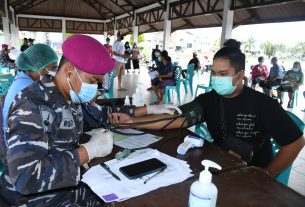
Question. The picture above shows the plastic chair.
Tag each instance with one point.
(295, 97)
(109, 94)
(202, 130)
(1, 168)
(189, 78)
(5, 82)
(204, 87)
(283, 177)
(167, 99)
(4, 70)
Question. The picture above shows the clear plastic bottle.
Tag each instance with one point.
(137, 98)
(203, 193)
(127, 101)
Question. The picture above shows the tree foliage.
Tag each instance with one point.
(140, 39)
(249, 44)
(269, 48)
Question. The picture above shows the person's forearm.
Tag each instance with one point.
(277, 77)
(140, 111)
(83, 155)
(159, 124)
(117, 54)
(285, 157)
(165, 76)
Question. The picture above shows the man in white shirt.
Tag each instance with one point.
(118, 52)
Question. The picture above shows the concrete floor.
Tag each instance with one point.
(132, 80)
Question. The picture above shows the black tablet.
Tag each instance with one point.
(140, 169)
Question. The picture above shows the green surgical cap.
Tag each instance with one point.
(36, 58)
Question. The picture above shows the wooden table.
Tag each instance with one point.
(241, 187)
(237, 185)
(193, 157)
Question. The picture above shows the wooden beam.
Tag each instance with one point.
(260, 3)
(177, 10)
(252, 13)
(30, 5)
(13, 4)
(98, 10)
(125, 10)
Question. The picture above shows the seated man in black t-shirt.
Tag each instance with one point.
(248, 116)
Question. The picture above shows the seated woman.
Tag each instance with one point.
(259, 72)
(165, 78)
(292, 80)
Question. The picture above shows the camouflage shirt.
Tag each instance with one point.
(42, 135)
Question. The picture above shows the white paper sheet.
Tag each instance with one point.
(110, 189)
(153, 74)
(131, 141)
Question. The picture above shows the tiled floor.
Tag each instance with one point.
(132, 80)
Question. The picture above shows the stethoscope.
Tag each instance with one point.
(114, 127)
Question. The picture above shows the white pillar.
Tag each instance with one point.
(14, 31)
(6, 25)
(6, 30)
(135, 29)
(63, 29)
(227, 22)
(115, 31)
(105, 32)
(167, 28)
(14, 36)
(105, 37)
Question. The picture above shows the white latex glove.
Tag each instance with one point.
(100, 144)
(162, 109)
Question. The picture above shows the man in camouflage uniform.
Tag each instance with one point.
(5, 59)
(45, 122)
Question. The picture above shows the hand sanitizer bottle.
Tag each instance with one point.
(203, 193)
(127, 101)
(137, 98)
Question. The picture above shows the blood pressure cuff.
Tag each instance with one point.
(130, 110)
(96, 116)
(193, 113)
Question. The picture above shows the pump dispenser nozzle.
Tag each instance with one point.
(206, 175)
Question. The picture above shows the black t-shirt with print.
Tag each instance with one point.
(252, 116)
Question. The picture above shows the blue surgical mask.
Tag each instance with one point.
(223, 85)
(86, 93)
(295, 69)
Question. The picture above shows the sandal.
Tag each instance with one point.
(122, 89)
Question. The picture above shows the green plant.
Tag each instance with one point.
(269, 48)
(249, 44)
(140, 39)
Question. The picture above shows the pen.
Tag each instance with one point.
(106, 167)
(154, 175)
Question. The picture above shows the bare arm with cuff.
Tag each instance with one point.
(191, 114)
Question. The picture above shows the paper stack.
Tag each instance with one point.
(110, 189)
(131, 141)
